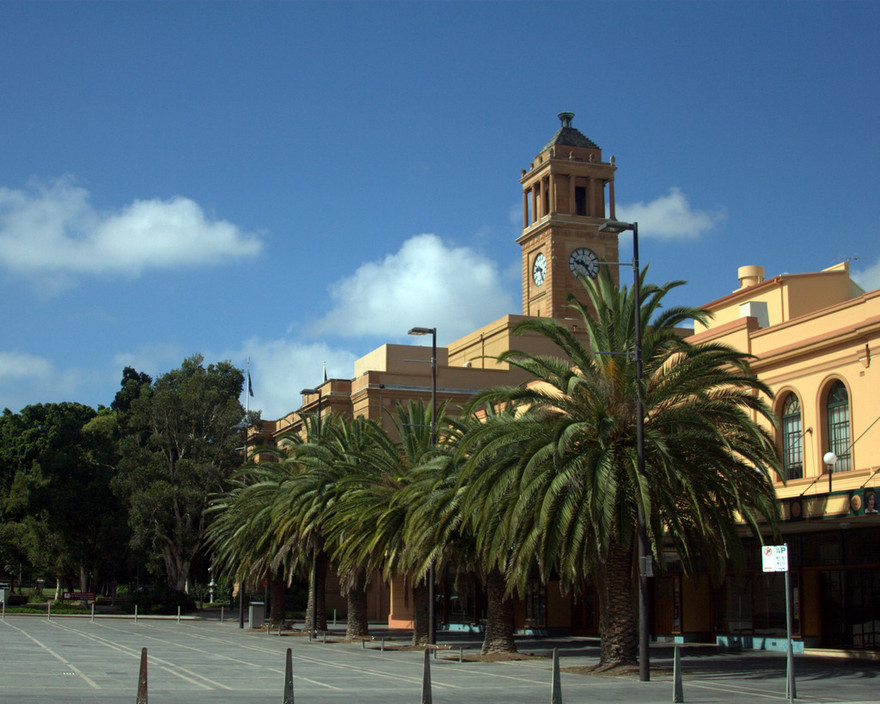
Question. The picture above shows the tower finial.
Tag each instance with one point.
(566, 118)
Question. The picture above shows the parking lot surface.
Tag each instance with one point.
(73, 660)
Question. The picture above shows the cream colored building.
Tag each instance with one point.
(812, 336)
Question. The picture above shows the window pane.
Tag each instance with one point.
(792, 438)
(838, 426)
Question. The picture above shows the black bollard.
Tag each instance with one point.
(288, 679)
(426, 679)
(142, 679)
(677, 690)
(555, 686)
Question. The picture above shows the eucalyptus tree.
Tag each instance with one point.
(571, 498)
(57, 512)
(179, 451)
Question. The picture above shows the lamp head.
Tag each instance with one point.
(616, 226)
(309, 392)
(829, 458)
(421, 331)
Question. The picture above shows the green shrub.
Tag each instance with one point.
(161, 599)
(58, 607)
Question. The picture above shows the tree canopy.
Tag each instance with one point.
(182, 447)
(59, 514)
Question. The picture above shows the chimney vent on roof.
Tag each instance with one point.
(566, 118)
(750, 275)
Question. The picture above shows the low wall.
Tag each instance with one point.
(774, 643)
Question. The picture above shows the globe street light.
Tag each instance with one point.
(830, 459)
(432, 623)
(644, 557)
(314, 575)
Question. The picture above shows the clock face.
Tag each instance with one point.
(539, 269)
(584, 261)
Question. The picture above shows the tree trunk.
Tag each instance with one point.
(356, 596)
(420, 613)
(176, 569)
(277, 594)
(618, 625)
(83, 583)
(499, 616)
(318, 594)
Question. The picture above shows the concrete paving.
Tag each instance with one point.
(74, 660)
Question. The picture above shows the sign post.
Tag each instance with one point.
(775, 559)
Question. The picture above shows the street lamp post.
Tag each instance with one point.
(314, 576)
(432, 620)
(644, 555)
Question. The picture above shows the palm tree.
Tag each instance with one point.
(269, 526)
(301, 505)
(242, 536)
(571, 497)
(369, 521)
(441, 517)
(339, 455)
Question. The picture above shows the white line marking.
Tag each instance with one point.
(55, 655)
(168, 666)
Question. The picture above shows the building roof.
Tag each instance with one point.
(569, 136)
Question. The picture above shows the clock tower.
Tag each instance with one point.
(563, 208)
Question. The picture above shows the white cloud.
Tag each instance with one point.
(515, 216)
(51, 230)
(153, 358)
(280, 369)
(25, 377)
(17, 366)
(869, 277)
(669, 217)
(427, 283)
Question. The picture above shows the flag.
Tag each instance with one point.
(250, 386)
(325, 371)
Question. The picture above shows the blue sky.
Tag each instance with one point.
(299, 183)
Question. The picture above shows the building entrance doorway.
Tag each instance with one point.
(850, 608)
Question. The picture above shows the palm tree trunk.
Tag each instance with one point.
(318, 598)
(356, 596)
(277, 594)
(420, 614)
(618, 625)
(499, 616)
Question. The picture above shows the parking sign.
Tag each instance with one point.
(775, 558)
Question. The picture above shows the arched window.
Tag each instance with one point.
(792, 438)
(837, 413)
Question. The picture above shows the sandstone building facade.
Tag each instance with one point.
(813, 336)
